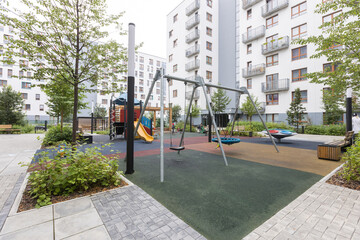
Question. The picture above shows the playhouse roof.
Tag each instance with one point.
(122, 99)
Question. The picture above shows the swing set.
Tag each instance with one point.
(198, 82)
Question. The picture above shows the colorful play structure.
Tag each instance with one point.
(279, 133)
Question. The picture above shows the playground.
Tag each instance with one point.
(224, 202)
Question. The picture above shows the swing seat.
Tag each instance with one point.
(177, 148)
(228, 141)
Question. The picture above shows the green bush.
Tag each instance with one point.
(25, 128)
(77, 171)
(54, 136)
(334, 130)
(258, 126)
(106, 132)
(180, 125)
(351, 170)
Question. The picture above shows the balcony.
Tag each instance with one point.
(275, 45)
(192, 36)
(273, 6)
(253, 34)
(253, 70)
(275, 86)
(195, 20)
(192, 50)
(192, 7)
(248, 3)
(192, 65)
(196, 94)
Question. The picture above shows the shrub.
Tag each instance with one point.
(258, 126)
(335, 130)
(106, 132)
(77, 171)
(25, 128)
(351, 169)
(54, 136)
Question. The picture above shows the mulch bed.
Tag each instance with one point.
(27, 202)
(338, 180)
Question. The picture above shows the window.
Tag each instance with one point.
(1, 72)
(141, 66)
(102, 93)
(175, 43)
(135, 88)
(330, 17)
(141, 74)
(209, 76)
(249, 14)
(1, 28)
(272, 81)
(142, 96)
(24, 95)
(175, 68)
(37, 96)
(7, 38)
(330, 67)
(3, 83)
(10, 73)
(272, 60)
(26, 85)
(151, 76)
(1, 48)
(208, 60)
(249, 49)
(27, 107)
(298, 75)
(209, 17)
(21, 74)
(298, 10)
(158, 63)
(272, 117)
(170, 57)
(272, 22)
(158, 84)
(135, 95)
(28, 74)
(170, 33)
(157, 91)
(209, 46)
(41, 107)
(175, 18)
(141, 89)
(299, 53)
(141, 81)
(208, 31)
(272, 99)
(209, 3)
(299, 31)
(303, 97)
(174, 93)
(151, 61)
(249, 83)
(104, 101)
(142, 59)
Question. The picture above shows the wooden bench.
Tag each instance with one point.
(8, 129)
(332, 150)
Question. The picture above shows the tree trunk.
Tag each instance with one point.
(62, 121)
(76, 82)
(75, 123)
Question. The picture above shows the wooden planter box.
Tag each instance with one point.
(329, 152)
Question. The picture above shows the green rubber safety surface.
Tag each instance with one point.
(219, 202)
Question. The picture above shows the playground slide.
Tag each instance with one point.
(143, 134)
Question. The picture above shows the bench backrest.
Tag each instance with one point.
(5, 126)
(349, 135)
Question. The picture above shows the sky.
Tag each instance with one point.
(149, 17)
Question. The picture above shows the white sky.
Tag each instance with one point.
(149, 17)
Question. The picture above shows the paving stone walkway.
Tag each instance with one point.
(324, 211)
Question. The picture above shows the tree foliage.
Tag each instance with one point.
(62, 39)
(248, 107)
(219, 100)
(296, 110)
(11, 105)
(176, 111)
(339, 43)
(99, 111)
(332, 105)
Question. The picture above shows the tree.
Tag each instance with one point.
(219, 100)
(62, 40)
(176, 110)
(332, 102)
(296, 110)
(61, 99)
(195, 110)
(339, 43)
(99, 111)
(11, 105)
(248, 107)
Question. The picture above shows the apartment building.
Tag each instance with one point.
(20, 80)
(272, 67)
(192, 48)
(145, 69)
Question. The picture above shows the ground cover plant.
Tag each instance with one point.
(55, 135)
(73, 170)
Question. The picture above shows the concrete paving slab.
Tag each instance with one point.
(43, 231)
(77, 223)
(72, 207)
(27, 219)
(98, 233)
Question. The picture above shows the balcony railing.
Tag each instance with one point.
(273, 6)
(248, 3)
(275, 86)
(192, 36)
(192, 7)
(196, 94)
(192, 50)
(193, 22)
(192, 65)
(253, 70)
(253, 34)
(275, 45)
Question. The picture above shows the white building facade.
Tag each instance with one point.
(192, 48)
(271, 67)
